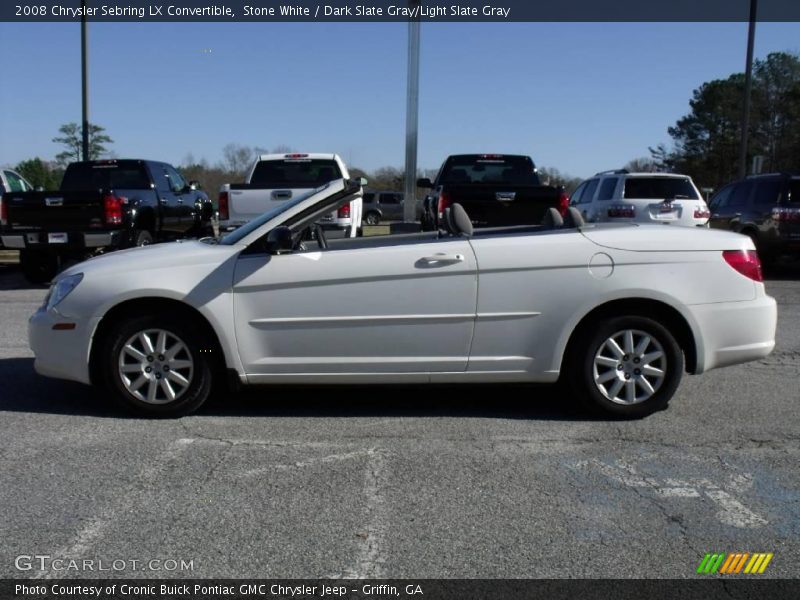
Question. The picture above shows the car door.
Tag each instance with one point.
(727, 214)
(184, 199)
(530, 285)
(167, 200)
(718, 205)
(398, 308)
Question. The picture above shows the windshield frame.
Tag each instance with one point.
(237, 235)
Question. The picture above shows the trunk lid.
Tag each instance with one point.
(663, 238)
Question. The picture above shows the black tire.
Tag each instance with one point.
(592, 346)
(372, 218)
(39, 266)
(195, 348)
(143, 238)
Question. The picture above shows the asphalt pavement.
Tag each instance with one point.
(469, 481)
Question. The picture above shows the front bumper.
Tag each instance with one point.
(63, 354)
(735, 332)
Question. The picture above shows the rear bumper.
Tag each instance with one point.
(20, 240)
(735, 332)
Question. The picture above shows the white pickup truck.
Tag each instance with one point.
(276, 178)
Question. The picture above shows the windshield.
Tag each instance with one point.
(245, 230)
(84, 176)
(490, 168)
(659, 188)
(294, 173)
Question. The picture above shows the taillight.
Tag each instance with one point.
(444, 203)
(112, 210)
(745, 262)
(702, 213)
(223, 206)
(563, 203)
(3, 213)
(343, 212)
(622, 211)
(786, 215)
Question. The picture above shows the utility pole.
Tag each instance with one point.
(748, 85)
(412, 121)
(85, 82)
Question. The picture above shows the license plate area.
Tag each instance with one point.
(56, 238)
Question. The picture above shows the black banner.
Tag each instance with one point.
(423, 589)
(401, 10)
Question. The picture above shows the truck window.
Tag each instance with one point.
(588, 193)
(794, 191)
(391, 198)
(659, 188)
(740, 194)
(513, 170)
(294, 173)
(768, 192)
(176, 181)
(607, 188)
(15, 183)
(81, 177)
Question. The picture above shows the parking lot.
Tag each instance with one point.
(479, 481)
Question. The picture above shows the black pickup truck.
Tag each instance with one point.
(102, 205)
(495, 189)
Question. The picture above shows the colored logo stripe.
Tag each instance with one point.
(734, 563)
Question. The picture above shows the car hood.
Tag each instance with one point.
(664, 238)
(172, 255)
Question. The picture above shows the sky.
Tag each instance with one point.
(580, 97)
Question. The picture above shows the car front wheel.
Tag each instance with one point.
(627, 366)
(157, 365)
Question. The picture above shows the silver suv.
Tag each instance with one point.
(641, 197)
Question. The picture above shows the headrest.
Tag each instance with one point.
(460, 220)
(552, 219)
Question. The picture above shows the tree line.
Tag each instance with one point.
(705, 141)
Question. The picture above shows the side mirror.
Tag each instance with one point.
(279, 240)
(194, 185)
(424, 182)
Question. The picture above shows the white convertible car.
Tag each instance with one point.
(618, 311)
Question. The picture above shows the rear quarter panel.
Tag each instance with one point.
(533, 290)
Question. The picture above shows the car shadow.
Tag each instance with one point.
(26, 392)
(11, 278)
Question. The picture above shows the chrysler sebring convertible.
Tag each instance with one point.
(617, 312)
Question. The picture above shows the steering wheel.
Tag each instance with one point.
(321, 240)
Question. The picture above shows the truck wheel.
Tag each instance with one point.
(626, 366)
(157, 365)
(39, 266)
(143, 238)
(372, 218)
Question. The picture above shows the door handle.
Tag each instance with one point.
(162, 200)
(443, 258)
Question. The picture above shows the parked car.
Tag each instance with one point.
(642, 197)
(764, 207)
(495, 189)
(158, 326)
(277, 178)
(102, 205)
(382, 206)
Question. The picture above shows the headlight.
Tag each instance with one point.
(61, 289)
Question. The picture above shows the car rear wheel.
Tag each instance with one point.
(157, 365)
(627, 366)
